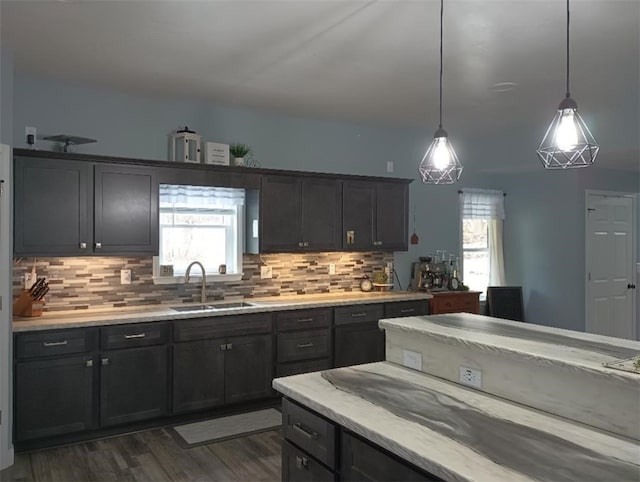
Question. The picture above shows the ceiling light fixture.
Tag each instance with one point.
(440, 164)
(568, 142)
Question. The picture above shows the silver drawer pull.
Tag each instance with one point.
(304, 320)
(304, 431)
(88, 363)
(305, 345)
(408, 310)
(104, 361)
(83, 245)
(55, 343)
(98, 245)
(136, 335)
(302, 463)
(359, 315)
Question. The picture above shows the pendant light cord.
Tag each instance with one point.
(568, 95)
(441, 16)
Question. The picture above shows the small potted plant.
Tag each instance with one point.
(380, 281)
(238, 152)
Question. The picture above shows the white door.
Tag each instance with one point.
(610, 290)
(6, 446)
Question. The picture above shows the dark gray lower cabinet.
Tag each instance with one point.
(198, 375)
(54, 396)
(134, 385)
(316, 449)
(358, 343)
(208, 373)
(361, 461)
(297, 466)
(248, 368)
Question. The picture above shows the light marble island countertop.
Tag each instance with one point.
(116, 316)
(460, 434)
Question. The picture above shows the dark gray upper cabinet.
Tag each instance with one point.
(75, 208)
(375, 216)
(126, 209)
(52, 207)
(299, 214)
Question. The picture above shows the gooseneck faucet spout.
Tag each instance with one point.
(203, 297)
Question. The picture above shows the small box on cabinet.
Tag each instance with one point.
(214, 153)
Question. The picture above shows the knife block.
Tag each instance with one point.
(25, 305)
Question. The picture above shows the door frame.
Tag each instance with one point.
(6, 335)
(634, 253)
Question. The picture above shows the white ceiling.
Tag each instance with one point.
(375, 61)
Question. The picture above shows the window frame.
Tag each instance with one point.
(483, 293)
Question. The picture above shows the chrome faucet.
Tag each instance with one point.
(203, 298)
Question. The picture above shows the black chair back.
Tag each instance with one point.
(505, 302)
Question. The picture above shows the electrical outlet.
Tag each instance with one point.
(29, 280)
(412, 359)
(266, 272)
(471, 377)
(125, 276)
(389, 166)
(332, 268)
(388, 269)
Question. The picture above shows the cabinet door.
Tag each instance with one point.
(54, 397)
(321, 218)
(198, 375)
(361, 461)
(51, 207)
(133, 385)
(248, 368)
(358, 343)
(280, 214)
(297, 466)
(358, 215)
(392, 213)
(126, 210)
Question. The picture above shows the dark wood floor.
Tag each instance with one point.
(153, 455)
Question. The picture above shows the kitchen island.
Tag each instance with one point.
(456, 433)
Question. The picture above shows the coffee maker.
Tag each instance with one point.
(426, 275)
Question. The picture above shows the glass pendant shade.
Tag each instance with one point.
(568, 142)
(440, 164)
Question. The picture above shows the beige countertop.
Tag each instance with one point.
(116, 316)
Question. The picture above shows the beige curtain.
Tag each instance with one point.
(496, 253)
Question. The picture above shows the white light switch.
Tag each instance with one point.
(266, 272)
(389, 166)
(412, 359)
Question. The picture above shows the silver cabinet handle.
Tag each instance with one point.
(136, 335)
(98, 245)
(55, 343)
(304, 431)
(305, 345)
(302, 463)
(104, 361)
(305, 244)
(229, 346)
(88, 363)
(300, 244)
(223, 346)
(359, 315)
(379, 243)
(304, 320)
(83, 245)
(408, 310)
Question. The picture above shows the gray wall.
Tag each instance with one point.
(544, 231)
(6, 97)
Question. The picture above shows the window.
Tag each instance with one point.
(201, 223)
(482, 215)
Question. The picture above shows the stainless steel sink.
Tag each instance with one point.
(217, 306)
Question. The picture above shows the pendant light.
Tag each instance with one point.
(440, 164)
(568, 142)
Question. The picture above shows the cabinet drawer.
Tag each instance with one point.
(299, 467)
(58, 342)
(310, 432)
(358, 313)
(129, 336)
(287, 369)
(303, 319)
(304, 345)
(222, 326)
(406, 308)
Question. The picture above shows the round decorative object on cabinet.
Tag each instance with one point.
(365, 284)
